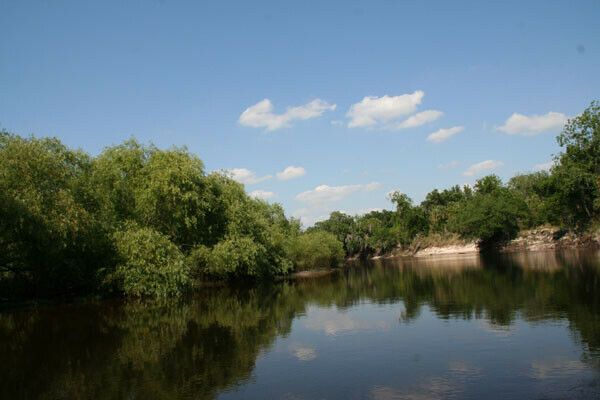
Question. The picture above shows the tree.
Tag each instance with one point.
(581, 140)
(341, 225)
(410, 220)
(316, 249)
(149, 264)
(574, 194)
(491, 215)
(50, 241)
(534, 189)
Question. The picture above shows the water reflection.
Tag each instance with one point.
(427, 328)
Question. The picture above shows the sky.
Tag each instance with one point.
(317, 105)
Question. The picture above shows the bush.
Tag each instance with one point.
(150, 265)
(491, 217)
(314, 250)
(230, 257)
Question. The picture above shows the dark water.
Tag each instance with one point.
(525, 326)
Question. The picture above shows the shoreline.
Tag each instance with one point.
(539, 239)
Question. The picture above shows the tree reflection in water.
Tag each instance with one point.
(199, 346)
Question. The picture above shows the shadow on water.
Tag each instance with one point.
(200, 346)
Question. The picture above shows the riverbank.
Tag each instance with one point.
(542, 238)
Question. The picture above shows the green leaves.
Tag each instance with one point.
(314, 250)
(149, 264)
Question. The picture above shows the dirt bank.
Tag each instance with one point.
(542, 238)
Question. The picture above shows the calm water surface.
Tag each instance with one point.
(525, 326)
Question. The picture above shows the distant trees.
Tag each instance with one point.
(146, 222)
(316, 249)
(492, 214)
(491, 211)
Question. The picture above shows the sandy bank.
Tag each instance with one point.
(449, 249)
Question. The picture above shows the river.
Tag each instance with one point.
(519, 326)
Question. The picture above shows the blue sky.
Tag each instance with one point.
(341, 79)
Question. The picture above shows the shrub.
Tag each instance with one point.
(315, 249)
(150, 265)
(239, 256)
(491, 217)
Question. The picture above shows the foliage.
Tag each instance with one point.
(49, 240)
(581, 140)
(533, 188)
(316, 249)
(69, 221)
(492, 214)
(339, 224)
(149, 264)
(132, 216)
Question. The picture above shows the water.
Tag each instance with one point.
(524, 326)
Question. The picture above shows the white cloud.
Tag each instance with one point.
(262, 194)
(450, 165)
(372, 110)
(320, 201)
(245, 176)
(333, 323)
(444, 134)
(303, 353)
(543, 166)
(519, 124)
(261, 114)
(556, 368)
(291, 172)
(421, 118)
(482, 166)
(323, 194)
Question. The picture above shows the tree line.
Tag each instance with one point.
(491, 211)
(136, 220)
(140, 221)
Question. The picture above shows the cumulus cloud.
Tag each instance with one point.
(444, 134)
(321, 201)
(519, 124)
(291, 172)
(482, 166)
(262, 194)
(261, 114)
(373, 110)
(421, 118)
(323, 194)
(245, 176)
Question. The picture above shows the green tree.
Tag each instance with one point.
(581, 140)
(410, 220)
(492, 214)
(50, 241)
(316, 249)
(149, 264)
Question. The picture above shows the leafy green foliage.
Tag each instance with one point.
(411, 220)
(49, 239)
(316, 249)
(492, 214)
(147, 219)
(534, 189)
(581, 140)
(149, 264)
